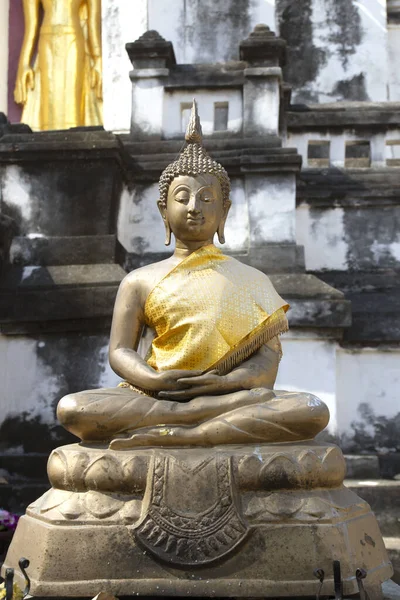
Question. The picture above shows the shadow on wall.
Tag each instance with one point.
(24, 433)
(296, 28)
(336, 34)
(372, 434)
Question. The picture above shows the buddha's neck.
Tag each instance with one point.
(184, 249)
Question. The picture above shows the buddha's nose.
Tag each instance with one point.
(194, 205)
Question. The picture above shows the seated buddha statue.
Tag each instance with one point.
(214, 323)
(182, 466)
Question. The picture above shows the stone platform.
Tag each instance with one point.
(230, 521)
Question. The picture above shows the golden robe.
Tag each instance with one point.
(211, 312)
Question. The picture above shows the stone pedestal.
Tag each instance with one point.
(228, 521)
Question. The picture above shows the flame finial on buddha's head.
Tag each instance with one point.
(194, 160)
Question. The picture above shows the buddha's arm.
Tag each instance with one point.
(126, 329)
(94, 31)
(260, 370)
(94, 26)
(25, 76)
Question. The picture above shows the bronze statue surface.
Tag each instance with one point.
(62, 88)
(208, 376)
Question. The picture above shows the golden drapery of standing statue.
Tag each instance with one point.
(61, 87)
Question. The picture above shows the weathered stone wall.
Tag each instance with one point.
(368, 385)
(58, 197)
(341, 238)
(337, 49)
(309, 364)
(348, 219)
(35, 372)
(74, 201)
(200, 30)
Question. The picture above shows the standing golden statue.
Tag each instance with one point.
(62, 87)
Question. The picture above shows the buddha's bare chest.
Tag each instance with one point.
(156, 274)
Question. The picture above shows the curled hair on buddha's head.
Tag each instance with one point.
(193, 161)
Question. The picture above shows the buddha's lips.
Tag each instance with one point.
(195, 220)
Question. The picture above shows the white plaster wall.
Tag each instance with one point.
(122, 21)
(309, 365)
(393, 143)
(272, 208)
(237, 228)
(261, 94)
(384, 251)
(177, 21)
(330, 243)
(323, 236)
(4, 8)
(172, 110)
(370, 57)
(147, 104)
(393, 62)
(140, 228)
(29, 385)
(16, 191)
(341, 377)
(368, 375)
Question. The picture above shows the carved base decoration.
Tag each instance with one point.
(229, 521)
(172, 532)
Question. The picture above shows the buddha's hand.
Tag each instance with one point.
(206, 384)
(25, 81)
(96, 77)
(171, 381)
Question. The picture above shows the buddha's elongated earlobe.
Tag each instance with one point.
(163, 211)
(167, 232)
(221, 226)
(221, 232)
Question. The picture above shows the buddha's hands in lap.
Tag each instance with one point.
(131, 367)
(173, 380)
(258, 371)
(198, 385)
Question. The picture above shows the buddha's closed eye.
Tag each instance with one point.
(182, 197)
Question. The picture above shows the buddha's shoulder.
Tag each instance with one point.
(148, 275)
(248, 270)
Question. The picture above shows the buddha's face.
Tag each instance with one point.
(195, 209)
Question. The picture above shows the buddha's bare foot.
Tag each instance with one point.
(157, 436)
